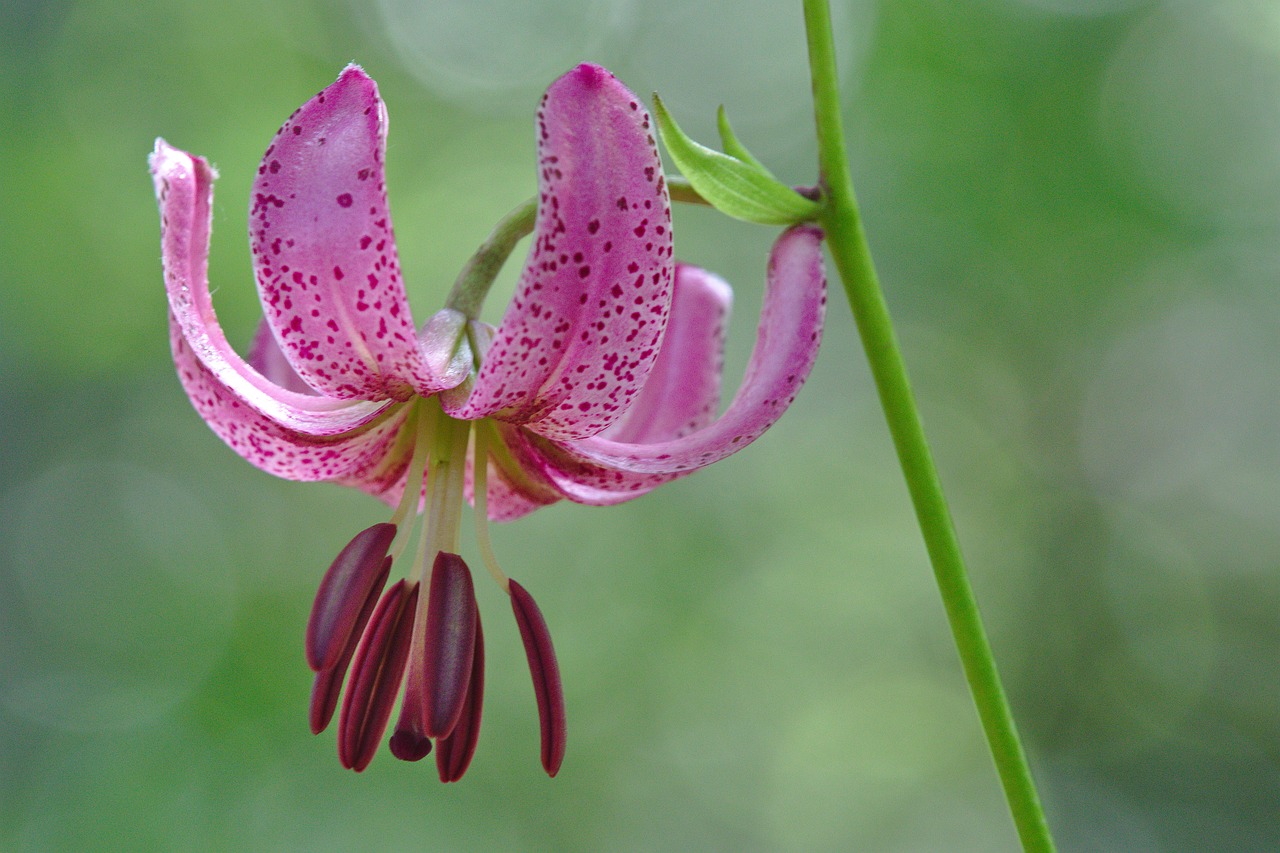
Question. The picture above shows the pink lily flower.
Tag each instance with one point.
(601, 382)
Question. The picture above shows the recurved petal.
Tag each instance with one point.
(352, 456)
(184, 190)
(324, 252)
(266, 358)
(682, 393)
(601, 471)
(580, 336)
(583, 480)
(505, 501)
(386, 474)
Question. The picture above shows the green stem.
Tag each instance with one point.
(473, 282)
(683, 191)
(848, 246)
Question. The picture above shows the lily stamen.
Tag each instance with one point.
(480, 488)
(411, 499)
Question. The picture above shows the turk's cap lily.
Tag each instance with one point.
(601, 382)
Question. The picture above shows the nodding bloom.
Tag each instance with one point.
(601, 382)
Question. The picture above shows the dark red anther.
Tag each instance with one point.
(328, 684)
(325, 691)
(449, 643)
(375, 676)
(453, 753)
(357, 576)
(546, 676)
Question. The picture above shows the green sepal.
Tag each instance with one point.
(736, 184)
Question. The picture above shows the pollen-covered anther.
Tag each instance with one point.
(454, 753)
(328, 682)
(353, 582)
(375, 676)
(450, 642)
(545, 670)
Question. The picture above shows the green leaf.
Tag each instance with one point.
(729, 142)
(737, 186)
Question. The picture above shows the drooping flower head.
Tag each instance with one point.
(601, 382)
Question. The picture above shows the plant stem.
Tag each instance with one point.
(848, 246)
(476, 277)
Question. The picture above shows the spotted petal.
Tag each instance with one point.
(266, 358)
(682, 393)
(356, 456)
(681, 396)
(325, 256)
(600, 470)
(293, 435)
(385, 468)
(582, 332)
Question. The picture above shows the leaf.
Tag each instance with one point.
(740, 188)
(729, 142)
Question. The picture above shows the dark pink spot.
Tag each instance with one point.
(344, 200)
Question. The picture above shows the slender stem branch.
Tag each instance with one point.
(848, 245)
(683, 191)
(473, 282)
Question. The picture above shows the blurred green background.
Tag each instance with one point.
(1075, 206)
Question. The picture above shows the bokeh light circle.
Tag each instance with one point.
(498, 55)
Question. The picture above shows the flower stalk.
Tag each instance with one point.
(847, 243)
